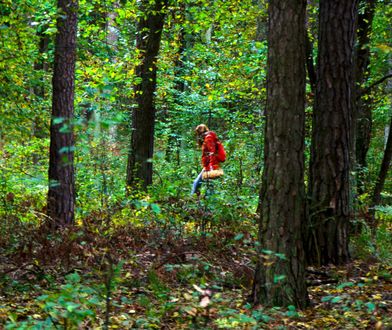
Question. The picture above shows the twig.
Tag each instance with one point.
(175, 256)
(321, 282)
(377, 82)
(53, 321)
(316, 272)
(17, 268)
(108, 285)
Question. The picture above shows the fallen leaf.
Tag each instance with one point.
(205, 301)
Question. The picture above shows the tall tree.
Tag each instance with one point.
(174, 142)
(40, 66)
(362, 111)
(61, 195)
(329, 186)
(280, 273)
(385, 164)
(150, 27)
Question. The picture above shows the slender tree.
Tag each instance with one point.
(174, 141)
(362, 111)
(61, 195)
(309, 63)
(150, 27)
(280, 273)
(329, 187)
(385, 164)
(40, 66)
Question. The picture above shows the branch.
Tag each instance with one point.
(173, 256)
(377, 82)
(321, 282)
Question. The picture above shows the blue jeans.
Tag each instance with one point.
(197, 183)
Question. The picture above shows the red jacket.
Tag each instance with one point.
(208, 158)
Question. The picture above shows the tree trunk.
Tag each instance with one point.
(309, 63)
(362, 110)
(61, 195)
(139, 170)
(329, 187)
(39, 128)
(280, 273)
(386, 162)
(261, 21)
(174, 142)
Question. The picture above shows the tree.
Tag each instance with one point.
(174, 142)
(150, 27)
(280, 276)
(329, 187)
(385, 164)
(362, 110)
(61, 195)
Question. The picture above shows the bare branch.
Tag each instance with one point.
(377, 82)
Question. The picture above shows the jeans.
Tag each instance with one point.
(197, 183)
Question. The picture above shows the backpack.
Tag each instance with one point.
(220, 152)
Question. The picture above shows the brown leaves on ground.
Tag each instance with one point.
(168, 281)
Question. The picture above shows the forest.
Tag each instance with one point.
(120, 210)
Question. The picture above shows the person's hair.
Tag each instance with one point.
(200, 131)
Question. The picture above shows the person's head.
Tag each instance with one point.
(200, 132)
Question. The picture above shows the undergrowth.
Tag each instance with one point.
(152, 273)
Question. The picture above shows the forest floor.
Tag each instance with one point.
(150, 278)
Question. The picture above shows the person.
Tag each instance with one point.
(208, 141)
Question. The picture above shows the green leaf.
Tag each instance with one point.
(344, 285)
(336, 299)
(155, 208)
(64, 150)
(71, 306)
(326, 298)
(238, 236)
(243, 318)
(279, 278)
(58, 120)
(73, 278)
(371, 307)
(281, 256)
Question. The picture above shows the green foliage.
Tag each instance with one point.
(71, 305)
(376, 244)
(211, 70)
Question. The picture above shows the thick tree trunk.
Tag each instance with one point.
(139, 170)
(61, 195)
(329, 187)
(280, 273)
(362, 110)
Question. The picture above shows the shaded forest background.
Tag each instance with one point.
(146, 254)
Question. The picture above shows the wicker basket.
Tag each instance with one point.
(213, 174)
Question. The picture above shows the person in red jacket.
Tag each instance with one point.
(208, 141)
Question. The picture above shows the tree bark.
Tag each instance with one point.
(61, 194)
(362, 110)
(39, 127)
(329, 187)
(280, 272)
(139, 170)
(174, 141)
(309, 63)
(386, 162)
